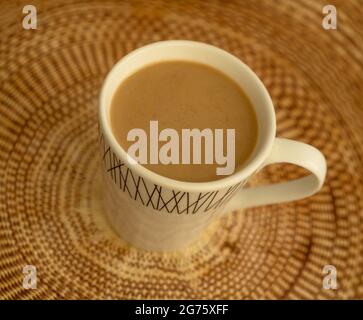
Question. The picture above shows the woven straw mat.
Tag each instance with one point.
(50, 170)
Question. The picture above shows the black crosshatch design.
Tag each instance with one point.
(153, 195)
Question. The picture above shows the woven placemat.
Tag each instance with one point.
(50, 178)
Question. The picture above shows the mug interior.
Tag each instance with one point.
(207, 55)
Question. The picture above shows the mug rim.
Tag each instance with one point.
(238, 176)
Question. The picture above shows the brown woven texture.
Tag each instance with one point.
(50, 197)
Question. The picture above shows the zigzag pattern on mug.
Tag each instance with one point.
(153, 195)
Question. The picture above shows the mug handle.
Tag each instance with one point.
(285, 151)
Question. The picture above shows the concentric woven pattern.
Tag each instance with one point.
(50, 197)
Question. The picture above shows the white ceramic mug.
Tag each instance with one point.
(153, 212)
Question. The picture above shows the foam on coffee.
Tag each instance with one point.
(184, 95)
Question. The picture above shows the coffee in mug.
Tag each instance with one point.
(185, 84)
(183, 95)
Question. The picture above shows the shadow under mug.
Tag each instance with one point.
(153, 212)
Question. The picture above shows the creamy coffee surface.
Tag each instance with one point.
(184, 95)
